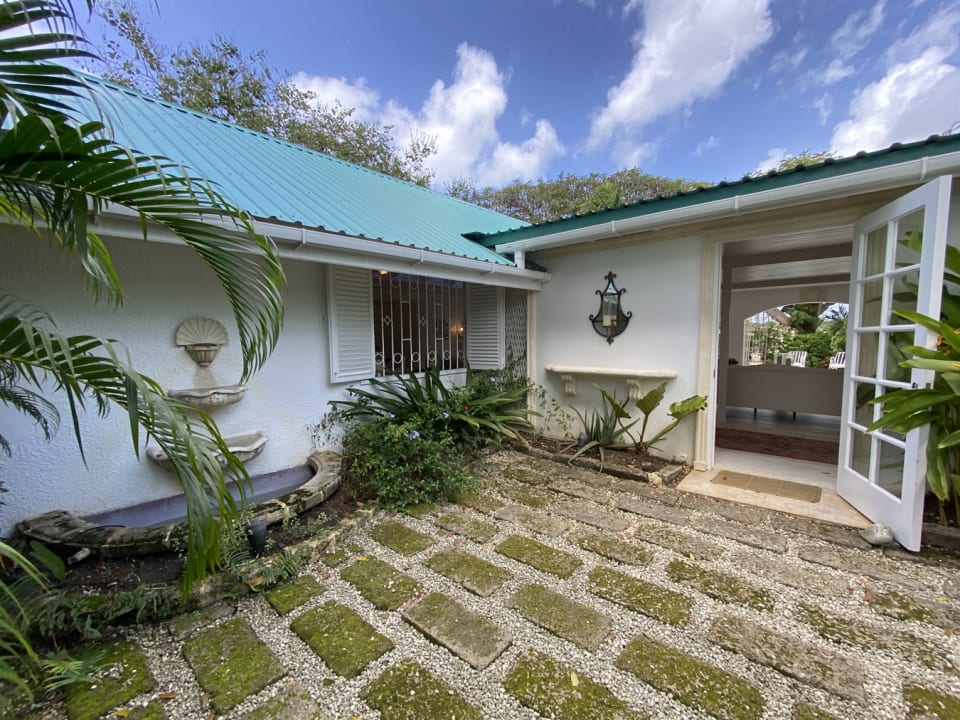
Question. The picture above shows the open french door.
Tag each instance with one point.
(898, 255)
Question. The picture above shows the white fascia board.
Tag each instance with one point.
(888, 177)
(333, 249)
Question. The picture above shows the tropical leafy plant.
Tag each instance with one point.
(678, 411)
(937, 406)
(481, 410)
(55, 169)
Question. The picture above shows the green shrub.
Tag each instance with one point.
(402, 464)
(817, 344)
(487, 408)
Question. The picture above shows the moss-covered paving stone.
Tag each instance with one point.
(682, 543)
(231, 662)
(294, 593)
(719, 586)
(806, 711)
(478, 501)
(809, 663)
(850, 632)
(622, 551)
(408, 691)
(554, 690)
(476, 575)
(526, 475)
(477, 530)
(124, 676)
(539, 556)
(399, 538)
(904, 607)
(538, 522)
(380, 583)
(570, 620)
(641, 596)
(927, 703)
(466, 634)
(420, 509)
(294, 703)
(341, 556)
(691, 681)
(341, 638)
(150, 711)
(531, 497)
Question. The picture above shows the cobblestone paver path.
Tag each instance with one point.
(561, 592)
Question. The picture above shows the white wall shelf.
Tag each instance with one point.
(633, 377)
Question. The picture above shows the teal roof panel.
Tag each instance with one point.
(274, 179)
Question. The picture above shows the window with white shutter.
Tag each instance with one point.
(485, 328)
(350, 307)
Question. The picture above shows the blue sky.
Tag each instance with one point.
(522, 89)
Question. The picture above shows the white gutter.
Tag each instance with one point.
(884, 178)
(296, 242)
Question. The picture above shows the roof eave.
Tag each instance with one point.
(311, 245)
(915, 171)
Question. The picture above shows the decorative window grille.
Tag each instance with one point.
(418, 323)
(515, 312)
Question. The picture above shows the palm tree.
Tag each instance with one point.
(56, 169)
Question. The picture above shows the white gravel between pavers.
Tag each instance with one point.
(339, 698)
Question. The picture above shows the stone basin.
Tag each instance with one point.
(244, 447)
(209, 397)
(159, 525)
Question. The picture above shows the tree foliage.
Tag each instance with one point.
(569, 195)
(221, 79)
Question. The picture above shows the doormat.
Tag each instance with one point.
(822, 451)
(769, 486)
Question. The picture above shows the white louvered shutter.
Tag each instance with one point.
(485, 328)
(350, 306)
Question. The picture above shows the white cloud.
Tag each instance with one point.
(331, 90)
(913, 100)
(775, 156)
(704, 145)
(824, 107)
(916, 96)
(686, 50)
(527, 160)
(854, 35)
(849, 40)
(836, 71)
(461, 116)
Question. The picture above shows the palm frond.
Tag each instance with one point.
(85, 368)
(51, 169)
(34, 36)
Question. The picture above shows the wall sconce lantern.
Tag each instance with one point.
(611, 320)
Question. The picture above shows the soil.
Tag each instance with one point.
(626, 459)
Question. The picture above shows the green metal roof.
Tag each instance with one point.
(272, 179)
(896, 153)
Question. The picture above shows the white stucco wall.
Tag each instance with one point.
(164, 285)
(663, 290)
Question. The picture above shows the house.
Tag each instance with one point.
(380, 280)
(363, 251)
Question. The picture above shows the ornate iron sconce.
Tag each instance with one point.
(611, 320)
